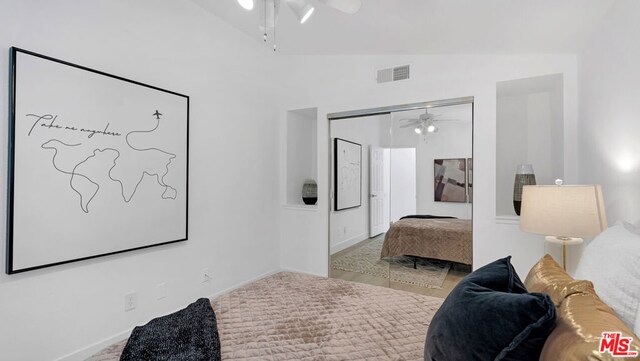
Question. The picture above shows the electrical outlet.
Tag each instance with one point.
(161, 290)
(205, 276)
(130, 301)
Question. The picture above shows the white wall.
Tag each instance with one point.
(610, 111)
(302, 148)
(234, 170)
(351, 226)
(340, 83)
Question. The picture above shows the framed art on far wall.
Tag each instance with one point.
(450, 180)
(347, 172)
(98, 164)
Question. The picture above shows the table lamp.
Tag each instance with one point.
(564, 214)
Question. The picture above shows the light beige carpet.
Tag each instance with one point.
(366, 259)
(293, 316)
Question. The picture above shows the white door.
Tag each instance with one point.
(377, 223)
(403, 183)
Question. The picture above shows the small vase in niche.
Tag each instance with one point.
(309, 192)
(524, 177)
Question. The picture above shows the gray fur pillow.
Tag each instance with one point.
(190, 334)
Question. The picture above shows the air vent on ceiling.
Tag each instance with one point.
(393, 74)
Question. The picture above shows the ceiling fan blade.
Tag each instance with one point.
(346, 6)
(408, 125)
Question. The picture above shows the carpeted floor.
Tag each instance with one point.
(366, 259)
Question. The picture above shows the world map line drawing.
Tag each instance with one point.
(84, 183)
(159, 179)
(349, 172)
(72, 172)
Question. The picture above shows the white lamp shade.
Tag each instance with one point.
(563, 211)
(301, 8)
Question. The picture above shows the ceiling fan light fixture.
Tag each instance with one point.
(418, 129)
(431, 127)
(307, 15)
(302, 9)
(246, 4)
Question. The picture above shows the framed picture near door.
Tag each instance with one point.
(347, 173)
(450, 180)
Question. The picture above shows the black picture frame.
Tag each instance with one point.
(25, 68)
(344, 173)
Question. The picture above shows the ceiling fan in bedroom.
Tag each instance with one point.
(425, 123)
(302, 9)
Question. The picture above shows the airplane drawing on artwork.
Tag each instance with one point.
(157, 114)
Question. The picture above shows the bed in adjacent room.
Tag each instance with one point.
(292, 316)
(448, 239)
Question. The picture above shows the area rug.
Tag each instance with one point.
(366, 259)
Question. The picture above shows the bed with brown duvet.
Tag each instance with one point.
(293, 316)
(447, 239)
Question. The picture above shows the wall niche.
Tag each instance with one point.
(301, 153)
(529, 130)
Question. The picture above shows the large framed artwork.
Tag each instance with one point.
(450, 180)
(98, 164)
(347, 173)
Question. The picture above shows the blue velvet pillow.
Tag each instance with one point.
(490, 315)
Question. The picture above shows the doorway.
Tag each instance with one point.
(394, 229)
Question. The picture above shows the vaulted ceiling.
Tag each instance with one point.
(427, 26)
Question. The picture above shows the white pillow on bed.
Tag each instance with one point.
(612, 262)
(633, 228)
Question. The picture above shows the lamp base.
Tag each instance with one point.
(564, 241)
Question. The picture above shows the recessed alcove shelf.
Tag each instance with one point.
(529, 130)
(301, 155)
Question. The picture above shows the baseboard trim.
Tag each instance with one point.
(88, 351)
(348, 243)
(244, 283)
(289, 269)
